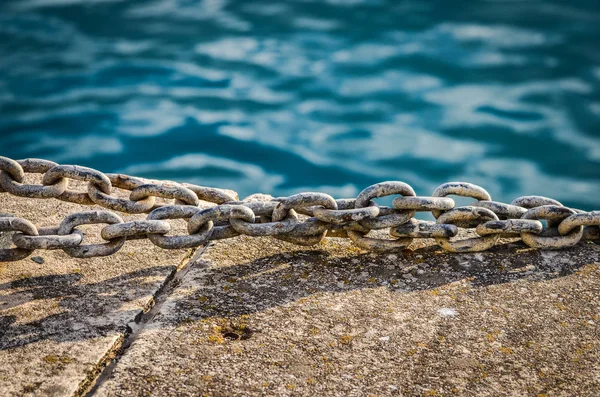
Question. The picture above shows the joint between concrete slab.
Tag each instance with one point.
(110, 361)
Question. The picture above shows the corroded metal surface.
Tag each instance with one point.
(556, 214)
(10, 224)
(211, 194)
(422, 229)
(220, 213)
(135, 228)
(534, 201)
(346, 212)
(49, 241)
(467, 217)
(510, 227)
(504, 211)
(573, 221)
(285, 225)
(121, 204)
(16, 186)
(90, 218)
(388, 217)
(378, 244)
(216, 214)
(463, 189)
(167, 190)
(423, 203)
(175, 242)
(80, 174)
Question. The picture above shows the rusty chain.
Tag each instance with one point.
(304, 218)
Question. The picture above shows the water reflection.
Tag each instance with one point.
(332, 95)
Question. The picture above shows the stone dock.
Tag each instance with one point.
(260, 317)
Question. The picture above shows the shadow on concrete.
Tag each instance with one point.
(229, 291)
(91, 310)
(85, 311)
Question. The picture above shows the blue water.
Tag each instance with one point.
(287, 96)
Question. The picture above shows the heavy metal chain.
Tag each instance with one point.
(216, 214)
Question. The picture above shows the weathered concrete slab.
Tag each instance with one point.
(61, 318)
(262, 317)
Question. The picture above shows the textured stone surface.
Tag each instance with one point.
(263, 317)
(259, 317)
(60, 320)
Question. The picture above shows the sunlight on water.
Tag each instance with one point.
(281, 97)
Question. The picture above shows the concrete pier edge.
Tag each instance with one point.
(264, 317)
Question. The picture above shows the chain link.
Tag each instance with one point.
(11, 224)
(119, 204)
(49, 239)
(69, 224)
(78, 173)
(467, 217)
(16, 186)
(550, 238)
(216, 214)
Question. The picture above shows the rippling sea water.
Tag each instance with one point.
(288, 96)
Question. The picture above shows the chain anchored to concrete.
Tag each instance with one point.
(303, 219)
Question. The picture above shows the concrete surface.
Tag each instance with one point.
(62, 319)
(260, 317)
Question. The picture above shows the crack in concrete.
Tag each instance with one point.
(108, 363)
